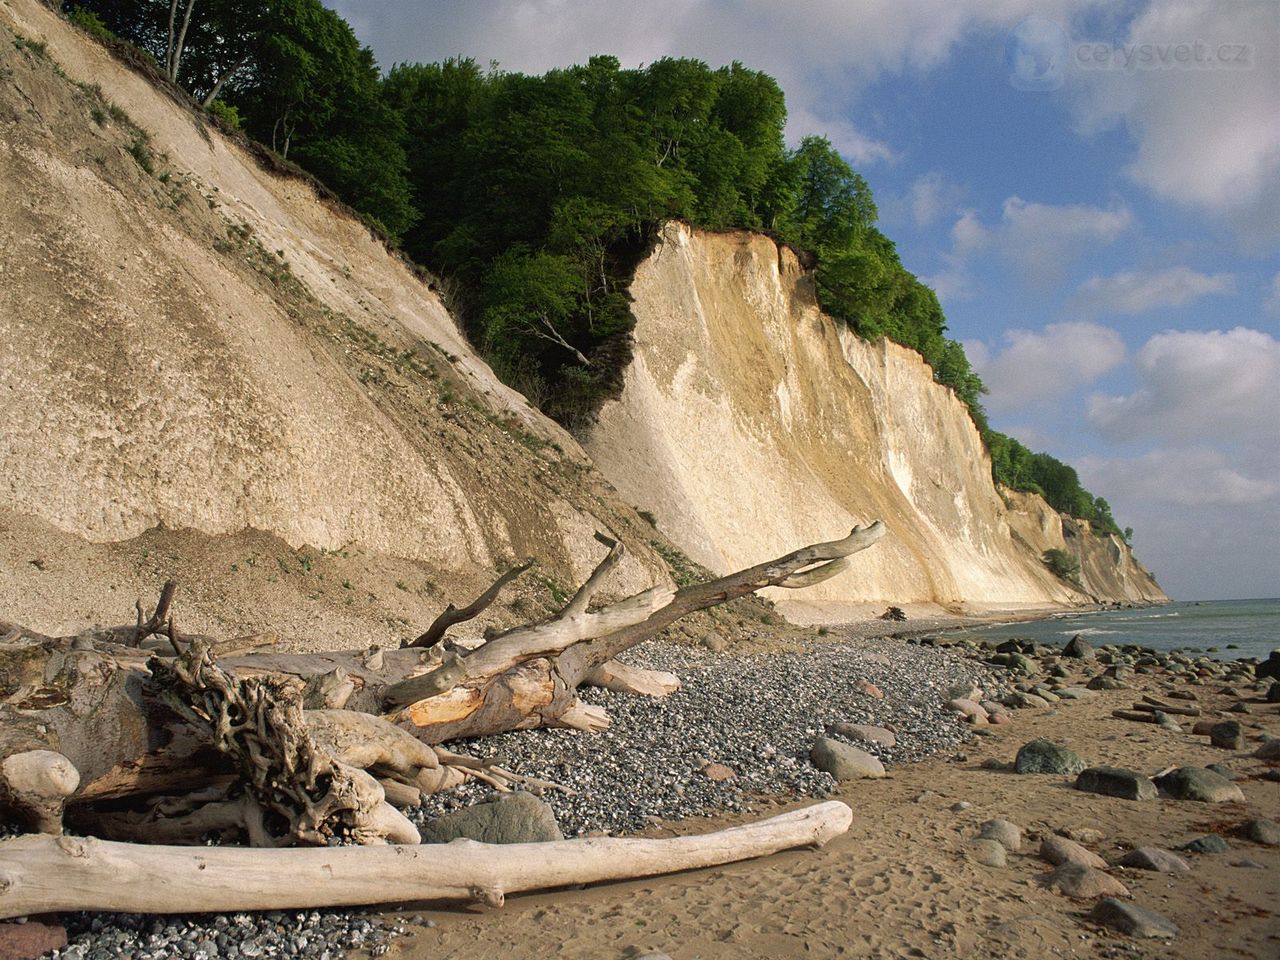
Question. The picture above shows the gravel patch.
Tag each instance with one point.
(756, 714)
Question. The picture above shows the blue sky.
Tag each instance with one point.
(1092, 188)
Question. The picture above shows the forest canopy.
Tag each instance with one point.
(536, 196)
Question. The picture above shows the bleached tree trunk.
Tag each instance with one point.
(43, 874)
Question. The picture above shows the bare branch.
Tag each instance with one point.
(453, 616)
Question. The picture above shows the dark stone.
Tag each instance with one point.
(1045, 756)
(1155, 859)
(1131, 919)
(1200, 784)
(1222, 770)
(1266, 832)
(1115, 782)
(1211, 843)
(513, 818)
(1269, 668)
(1079, 648)
(1273, 694)
(1228, 735)
(1106, 683)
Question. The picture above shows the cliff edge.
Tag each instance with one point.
(750, 420)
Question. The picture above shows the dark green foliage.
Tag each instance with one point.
(226, 113)
(1063, 564)
(1017, 468)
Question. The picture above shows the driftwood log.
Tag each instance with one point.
(144, 733)
(43, 873)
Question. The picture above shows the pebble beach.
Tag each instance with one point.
(740, 740)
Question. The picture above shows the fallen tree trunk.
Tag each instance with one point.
(114, 714)
(40, 874)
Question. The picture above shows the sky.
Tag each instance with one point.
(1093, 189)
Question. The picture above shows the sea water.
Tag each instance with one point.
(1237, 628)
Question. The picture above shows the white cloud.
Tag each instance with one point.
(1205, 129)
(1043, 239)
(933, 197)
(1136, 292)
(1036, 368)
(1180, 476)
(1272, 305)
(1217, 384)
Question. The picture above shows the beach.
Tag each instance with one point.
(903, 882)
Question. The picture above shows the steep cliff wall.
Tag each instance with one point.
(750, 420)
(190, 340)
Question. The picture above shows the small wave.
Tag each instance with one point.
(1088, 631)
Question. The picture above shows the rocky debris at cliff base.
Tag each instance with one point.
(756, 714)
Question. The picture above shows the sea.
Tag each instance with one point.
(1225, 629)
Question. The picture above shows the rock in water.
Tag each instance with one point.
(1131, 919)
(1045, 756)
(1005, 833)
(1079, 648)
(1228, 734)
(1199, 784)
(1060, 850)
(1153, 858)
(1115, 782)
(513, 818)
(1085, 883)
(843, 761)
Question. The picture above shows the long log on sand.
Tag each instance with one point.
(42, 873)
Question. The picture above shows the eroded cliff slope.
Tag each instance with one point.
(750, 420)
(190, 341)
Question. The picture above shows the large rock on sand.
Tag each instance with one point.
(864, 731)
(1084, 883)
(1200, 784)
(1115, 782)
(1004, 832)
(513, 818)
(843, 761)
(1228, 735)
(1060, 850)
(1133, 920)
(1045, 756)
(1155, 859)
(1079, 648)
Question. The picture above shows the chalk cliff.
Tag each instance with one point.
(750, 420)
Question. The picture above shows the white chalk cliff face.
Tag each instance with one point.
(750, 421)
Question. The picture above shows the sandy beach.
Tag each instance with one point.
(903, 882)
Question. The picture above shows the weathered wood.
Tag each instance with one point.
(453, 616)
(624, 678)
(1151, 704)
(40, 874)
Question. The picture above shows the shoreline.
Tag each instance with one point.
(904, 880)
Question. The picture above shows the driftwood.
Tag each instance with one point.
(143, 733)
(42, 873)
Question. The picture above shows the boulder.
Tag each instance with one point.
(512, 818)
(1269, 669)
(1106, 683)
(1266, 832)
(1045, 756)
(989, 853)
(868, 688)
(1115, 782)
(864, 731)
(1084, 883)
(1079, 648)
(1273, 693)
(1202, 727)
(718, 772)
(843, 761)
(1004, 832)
(1199, 784)
(1228, 734)
(1156, 859)
(1269, 750)
(1210, 843)
(1060, 850)
(1133, 920)
(967, 709)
